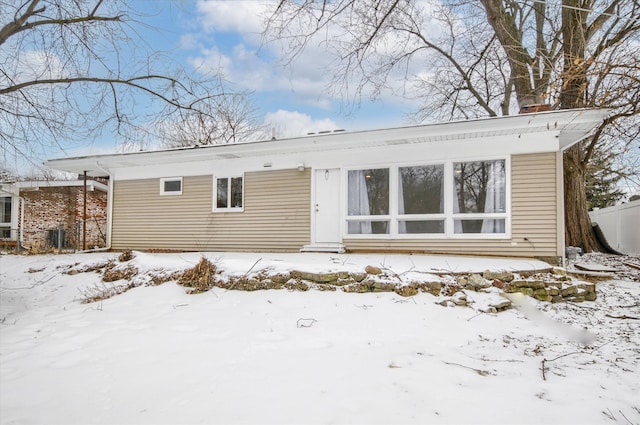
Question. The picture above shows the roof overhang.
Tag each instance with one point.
(30, 185)
(569, 126)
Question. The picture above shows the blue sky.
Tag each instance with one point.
(210, 35)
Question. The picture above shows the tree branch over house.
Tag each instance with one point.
(74, 70)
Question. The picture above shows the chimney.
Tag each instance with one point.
(536, 107)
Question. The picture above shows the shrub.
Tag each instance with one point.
(201, 278)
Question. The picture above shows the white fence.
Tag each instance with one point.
(621, 226)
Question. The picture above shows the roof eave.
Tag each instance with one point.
(581, 122)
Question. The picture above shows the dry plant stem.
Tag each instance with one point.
(624, 316)
(478, 371)
(245, 274)
(545, 361)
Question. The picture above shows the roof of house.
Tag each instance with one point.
(569, 127)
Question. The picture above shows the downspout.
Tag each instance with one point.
(84, 213)
(560, 202)
(109, 211)
(20, 235)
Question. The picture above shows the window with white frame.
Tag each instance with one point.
(479, 203)
(5, 217)
(452, 199)
(368, 204)
(421, 199)
(171, 186)
(229, 194)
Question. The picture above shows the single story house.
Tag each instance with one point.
(43, 214)
(485, 186)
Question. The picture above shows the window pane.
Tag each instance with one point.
(369, 192)
(5, 209)
(489, 225)
(422, 226)
(480, 187)
(236, 192)
(172, 185)
(221, 199)
(420, 190)
(368, 227)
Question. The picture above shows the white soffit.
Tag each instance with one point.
(570, 126)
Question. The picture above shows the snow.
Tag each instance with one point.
(156, 354)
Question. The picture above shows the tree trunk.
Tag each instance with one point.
(578, 230)
(577, 224)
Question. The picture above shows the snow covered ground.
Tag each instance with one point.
(156, 354)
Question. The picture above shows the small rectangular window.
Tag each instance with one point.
(171, 186)
(420, 226)
(5, 217)
(229, 194)
(5, 210)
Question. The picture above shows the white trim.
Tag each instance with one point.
(37, 184)
(214, 208)
(164, 192)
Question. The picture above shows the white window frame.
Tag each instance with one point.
(170, 192)
(10, 224)
(449, 192)
(215, 193)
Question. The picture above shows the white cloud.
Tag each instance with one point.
(293, 124)
(250, 65)
(246, 69)
(232, 16)
(188, 42)
(211, 61)
(258, 68)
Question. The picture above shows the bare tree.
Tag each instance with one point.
(467, 58)
(73, 70)
(599, 68)
(228, 118)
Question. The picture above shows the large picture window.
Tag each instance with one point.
(229, 194)
(450, 199)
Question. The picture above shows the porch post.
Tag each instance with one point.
(84, 215)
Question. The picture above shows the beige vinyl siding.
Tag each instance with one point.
(276, 215)
(534, 212)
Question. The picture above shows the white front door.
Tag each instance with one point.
(326, 206)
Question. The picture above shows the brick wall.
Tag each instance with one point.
(49, 208)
